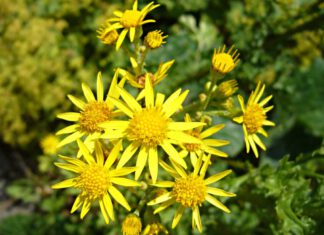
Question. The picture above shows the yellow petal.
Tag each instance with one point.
(211, 131)
(124, 182)
(85, 208)
(85, 152)
(258, 142)
(215, 143)
(104, 211)
(196, 218)
(121, 38)
(217, 203)
(153, 163)
(238, 119)
(88, 93)
(122, 171)
(108, 205)
(113, 155)
(121, 106)
(149, 94)
(164, 197)
(114, 192)
(241, 101)
(100, 89)
(76, 205)
(68, 167)
(70, 138)
(217, 177)
(77, 102)
(99, 153)
(128, 153)
(164, 205)
(68, 129)
(173, 153)
(219, 192)
(132, 34)
(74, 161)
(129, 99)
(70, 116)
(183, 137)
(163, 184)
(214, 151)
(253, 146)
(177, 216)
(141, 162)
(64, 184)
(176, 105)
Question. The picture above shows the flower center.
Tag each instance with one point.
(223, 62)
(131, 225)
(253, 118)
(93, 114)
(94, 181)
(130, 18)
(110, 37)
(148, 127)
(193, 147)
(189, 191)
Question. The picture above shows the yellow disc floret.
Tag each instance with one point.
(154, 39)
(148, 127)
(93, 181)
(93, 114)
(253, 118)
(132, 225)
(107, 37)
(189, 191)
(131, 18)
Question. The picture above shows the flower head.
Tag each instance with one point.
(93, 112)
(224, 62)
(149, 127)
(227, 88)
(154, 39)
(254, 118)
(95, 179)
(130, 21)
(138, 81)
(107, 37)
(155, 228)
(190, 191)
(132, 225)
(207, 144)
(49, 144)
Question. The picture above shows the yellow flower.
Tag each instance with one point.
(130, 21)
(190, 191)
(155, 228)
(93, 112)
(95, 179)
(254, 118)
(107, 37)
(154, 39)
(132, 225)
(223, 62)
(207, 144)
(149, 127)
(49, 144)
(227, 88)
(138, 81)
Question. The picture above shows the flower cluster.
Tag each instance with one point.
(120, 133)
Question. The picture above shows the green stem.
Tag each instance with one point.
(215, 77)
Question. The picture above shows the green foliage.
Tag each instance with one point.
(47, 48)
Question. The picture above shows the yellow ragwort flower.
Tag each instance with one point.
(130, 21)
(224, 62)
(227, 88)
(49, 144)
(190, 191)
(149, 127)
(138, 81)
(93, 112)
(207, 144)
(132, 225)
(95, 179)
(155, 228)
(154, 39)
(107, 37)
(254, 118)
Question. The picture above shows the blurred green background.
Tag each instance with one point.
(47, 48)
